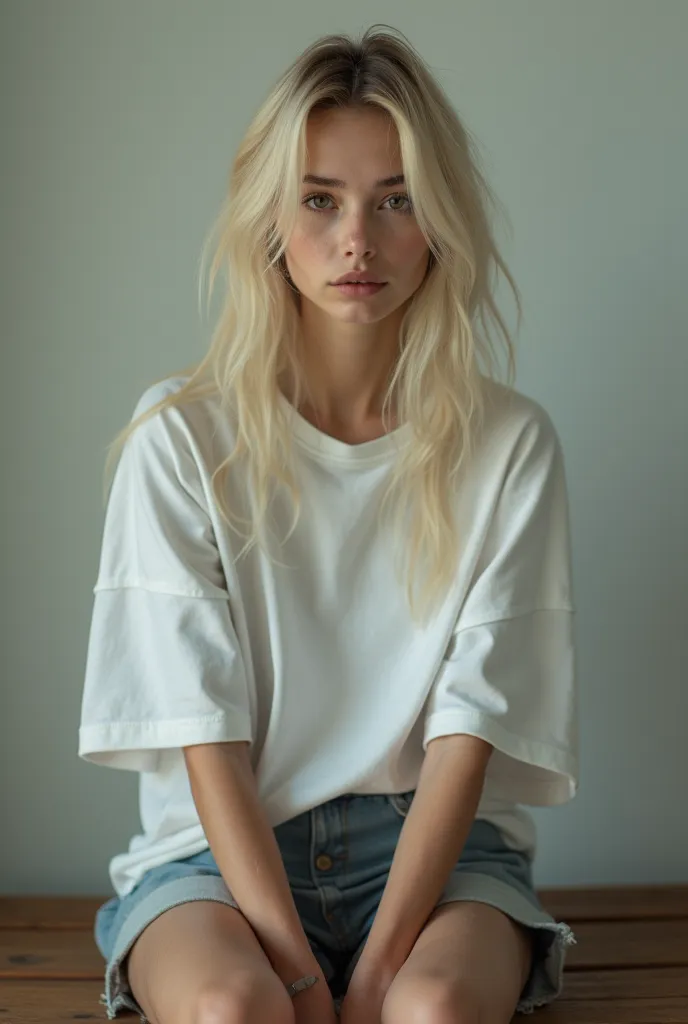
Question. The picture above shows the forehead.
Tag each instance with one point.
(363, 139)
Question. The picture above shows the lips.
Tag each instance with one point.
(362, 278)
(359, 291)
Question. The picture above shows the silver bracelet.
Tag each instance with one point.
(301, 984)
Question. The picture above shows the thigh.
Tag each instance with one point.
(494, 883)
(201, 961)
(470, 963)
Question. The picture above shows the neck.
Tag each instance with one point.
(347, 368)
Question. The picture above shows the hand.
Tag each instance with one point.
(365, 995)
(361, 1007)
(315, 1005)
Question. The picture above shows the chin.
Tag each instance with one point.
(357, 316)
(363, 311)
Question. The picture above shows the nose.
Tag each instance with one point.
(357, 236)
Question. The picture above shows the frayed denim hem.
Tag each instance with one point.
(547, 976)
(117, 995)
(121, 1002)
(545, 982)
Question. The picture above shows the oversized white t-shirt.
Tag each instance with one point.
(315, 659)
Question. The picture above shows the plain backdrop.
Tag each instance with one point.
(119, 123)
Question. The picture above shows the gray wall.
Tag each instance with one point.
(119, 121)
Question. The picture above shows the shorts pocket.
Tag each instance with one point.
(401, 802)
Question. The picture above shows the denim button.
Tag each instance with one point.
(323, 862)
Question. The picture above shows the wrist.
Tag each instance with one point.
(377, 968)
(302, 984)
(295, 965)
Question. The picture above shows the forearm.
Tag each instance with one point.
(246, 851)
(431, 841)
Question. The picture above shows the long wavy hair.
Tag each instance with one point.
(451, 331)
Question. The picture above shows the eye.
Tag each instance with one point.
(398, 196)
(317, 195)
(405, 198)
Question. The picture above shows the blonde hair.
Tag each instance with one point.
(445, 344)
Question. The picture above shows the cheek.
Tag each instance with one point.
(411, 251)
(307, 244)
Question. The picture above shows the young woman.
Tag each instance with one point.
(332, 626)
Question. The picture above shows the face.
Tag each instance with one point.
(363, 222)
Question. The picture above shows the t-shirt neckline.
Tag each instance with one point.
(328, 447)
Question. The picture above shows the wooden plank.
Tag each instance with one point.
(622, 1011)
(49, 954)
(52, 912)
(630, 983)
(615, 944)
(616, 902)
(50, 1002)
(71, 953)
(592, 903)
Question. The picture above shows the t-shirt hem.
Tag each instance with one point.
(113, 738)
(538, 792)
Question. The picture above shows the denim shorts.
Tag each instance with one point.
(337, 857)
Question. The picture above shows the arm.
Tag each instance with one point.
(246, 851)
(431, 841)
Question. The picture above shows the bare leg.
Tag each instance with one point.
(201, 963)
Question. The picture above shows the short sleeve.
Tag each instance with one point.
(509, 672)
(164, 667)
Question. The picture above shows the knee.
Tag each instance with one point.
(243, 1000)
(431, 1000)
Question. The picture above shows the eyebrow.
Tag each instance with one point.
(314, 179)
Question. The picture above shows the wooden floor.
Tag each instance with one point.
(629, 964)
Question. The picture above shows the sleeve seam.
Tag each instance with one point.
(157, 587)
(156, 724)
(567, 609)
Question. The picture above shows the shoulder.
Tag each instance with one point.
(516, 425)
(184, 424)
(173, 449)
(180, 409)
(158, 391)
(511, 413)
